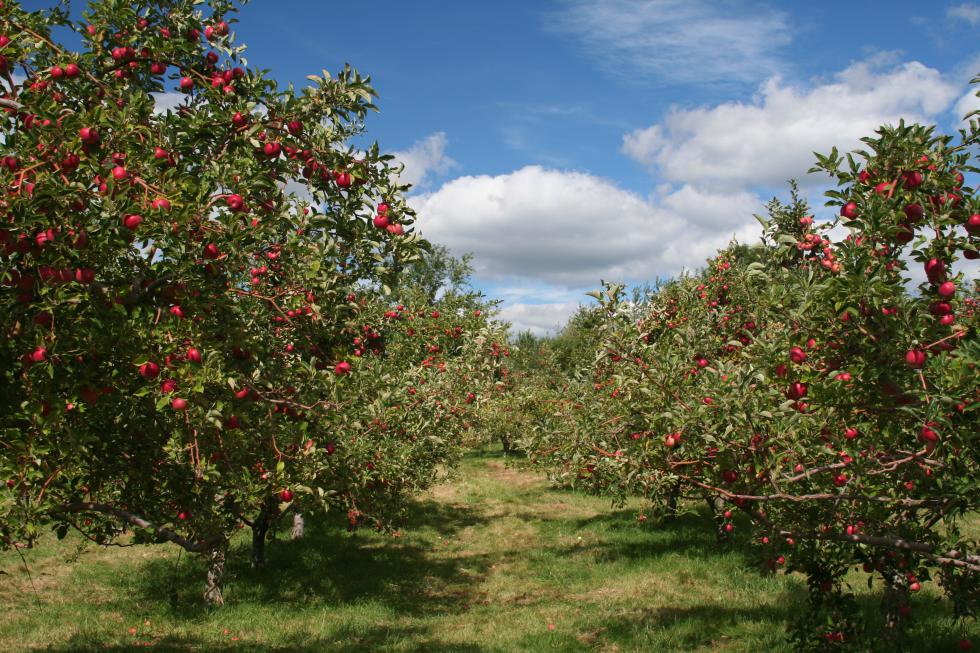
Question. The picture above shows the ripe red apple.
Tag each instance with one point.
(133, 221)
(915, 358)
(232, 423)
(194, 355)
(119, 173)
(342, 368)
(344, 180)
(381, 221)
(796, 390)
(150, 370)
(89, 135)
(797, 355)
(947, 289)
(159, 153)
(935, 270)
(186, 83)
(928, 436)
(973, 224)
(272, 149)
(160, 204)
(849, 211)
(235, 202)
(914, 212)
(286, 495)
(169, 386)
(179, 404)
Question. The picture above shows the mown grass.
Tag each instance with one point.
(494, 561)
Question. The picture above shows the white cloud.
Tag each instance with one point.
(967, 12)
(164, 102)
(571, 229)
(764, 142)
(539, 319)
(969, 102)
(683, 41)
(425, 159)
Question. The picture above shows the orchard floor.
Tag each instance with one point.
(493, 561)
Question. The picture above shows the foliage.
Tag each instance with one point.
(800, 383)
(191, 298)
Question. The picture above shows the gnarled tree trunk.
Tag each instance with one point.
(895, 602)
(216, 572)
(299, 526)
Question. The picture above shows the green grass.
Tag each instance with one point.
(494, 561)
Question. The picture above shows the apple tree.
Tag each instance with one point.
(812, 386)
(182, 242)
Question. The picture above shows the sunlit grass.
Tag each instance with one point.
(494, 561)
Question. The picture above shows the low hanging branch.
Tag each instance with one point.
(136, 520)
(801, 498)
(10, 104)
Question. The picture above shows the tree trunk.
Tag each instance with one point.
(299, 526)
(260, 528)
(670, 510)
(216, 572)
(505, 441)
(895, 603)
(717, 507)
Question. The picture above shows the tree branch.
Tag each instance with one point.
(136, 520)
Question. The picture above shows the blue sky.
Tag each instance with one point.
(566, 141)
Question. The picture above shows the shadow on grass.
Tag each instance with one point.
(330, 566)
(371, 641)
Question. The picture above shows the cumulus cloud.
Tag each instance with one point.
(425, 159)
(539, 319)
(164, 102)
(678, 41)
(764, 142)
(966, 104)
(967, 12)
(571, 229)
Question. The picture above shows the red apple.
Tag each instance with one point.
(89, 135)
(849, 211)
(342, 368)
(796, 390)
(973, 224)
(150, 370)
(915, 358)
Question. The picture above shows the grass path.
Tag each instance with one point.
(494, 561)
